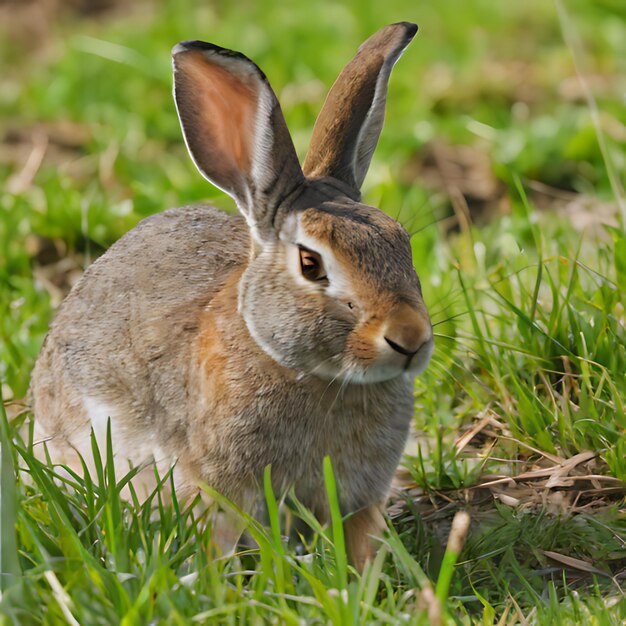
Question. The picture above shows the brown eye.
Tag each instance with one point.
(311, 265)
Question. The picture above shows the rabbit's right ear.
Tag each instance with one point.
(235, 130)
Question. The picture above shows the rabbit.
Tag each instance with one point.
(219, 344)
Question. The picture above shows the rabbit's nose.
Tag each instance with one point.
(401, 349)
(407, 330)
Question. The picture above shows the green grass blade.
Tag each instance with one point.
(9, 561)
(337, 525)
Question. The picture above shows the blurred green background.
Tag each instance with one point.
(503, 154)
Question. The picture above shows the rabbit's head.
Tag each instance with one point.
(329, 287)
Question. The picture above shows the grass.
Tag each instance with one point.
(528, 307)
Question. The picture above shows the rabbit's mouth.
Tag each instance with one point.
(390, 362)
(393, 365)
(398, 342)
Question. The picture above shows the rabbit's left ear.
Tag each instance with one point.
(235, 130)
(347, 129)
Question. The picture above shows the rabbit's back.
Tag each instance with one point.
(121, 342)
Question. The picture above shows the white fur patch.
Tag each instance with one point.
(99, 414)
(128, 451)
(124, 449)
(162, 460)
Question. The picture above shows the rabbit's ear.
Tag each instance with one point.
(235, 130)
(348, 127)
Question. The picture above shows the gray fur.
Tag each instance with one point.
(209, 350)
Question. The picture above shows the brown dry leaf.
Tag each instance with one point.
(557, 460)
(561, 486)
(469, 434)
(574, 563)
(507, 499)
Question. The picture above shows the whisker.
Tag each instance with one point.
(435, 210)
(323, 362)
(449, 319)
(445, 302)
(419, 212)
(437, 220)
(339, 373)
(343, 384)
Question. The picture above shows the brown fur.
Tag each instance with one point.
(363, 532)
(198, 336)
(334, 145)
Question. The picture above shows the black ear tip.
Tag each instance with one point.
(410, 29)
(189, 46)
(211, 50)
(186, 46)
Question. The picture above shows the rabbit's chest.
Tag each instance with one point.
(363, 431)
(252, 413)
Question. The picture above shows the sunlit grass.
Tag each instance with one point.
(529, 311)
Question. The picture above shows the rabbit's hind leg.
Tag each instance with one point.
(363, 530)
